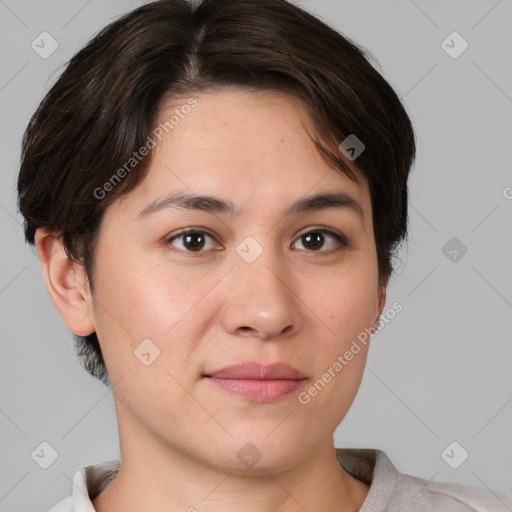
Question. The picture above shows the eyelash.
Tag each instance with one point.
(342, 240)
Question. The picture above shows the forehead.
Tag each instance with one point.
(240, 144)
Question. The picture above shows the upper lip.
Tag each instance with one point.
(257, 371)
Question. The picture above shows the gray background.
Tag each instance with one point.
(439, 372)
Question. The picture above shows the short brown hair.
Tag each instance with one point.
(105, 103)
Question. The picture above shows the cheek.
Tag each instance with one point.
(144, 300)
(347, 305)
(135, 302)
(348, 308)
(141, 296)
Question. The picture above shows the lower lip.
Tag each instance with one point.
(258, 390)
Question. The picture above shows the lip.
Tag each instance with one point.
(257, 382)
(258, 371)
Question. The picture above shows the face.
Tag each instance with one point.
(252, 285)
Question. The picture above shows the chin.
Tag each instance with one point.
(259, 456)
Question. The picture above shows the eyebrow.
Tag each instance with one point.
(216, 205)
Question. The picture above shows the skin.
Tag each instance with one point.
(296, 303)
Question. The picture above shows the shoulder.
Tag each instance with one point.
(417, 494)
(393, 491)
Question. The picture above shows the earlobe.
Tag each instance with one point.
(66, 283)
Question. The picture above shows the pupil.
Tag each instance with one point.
(191, 237)
(311, 238)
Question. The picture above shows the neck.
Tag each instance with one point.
(154, 476)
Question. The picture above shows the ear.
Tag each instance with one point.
(66, 283)
(381, 301)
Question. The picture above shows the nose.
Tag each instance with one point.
(261, 300)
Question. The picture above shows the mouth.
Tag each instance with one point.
(257, 382)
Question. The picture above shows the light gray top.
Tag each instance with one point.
(390, 490)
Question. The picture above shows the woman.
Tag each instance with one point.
(215, 192)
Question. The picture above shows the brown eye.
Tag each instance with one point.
(191, 240)
(315, 240)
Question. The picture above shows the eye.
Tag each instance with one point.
(192, 240)
(315, 239)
